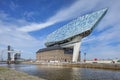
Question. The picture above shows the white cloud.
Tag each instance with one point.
(9, 21)
(77, 9)
(104, 45)
(73, 11)
(35, 26)
(112, 17)
(3, 15)
(19, 40)
(64, 14)
(9, 35)
(103, 51)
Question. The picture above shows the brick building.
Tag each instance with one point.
(54, 54)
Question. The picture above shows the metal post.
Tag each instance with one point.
(84, 57)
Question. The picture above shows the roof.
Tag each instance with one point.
(75, 27)
(50, 48)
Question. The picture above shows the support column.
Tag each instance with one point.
(76, 50)
(75, 44)
(13, 54)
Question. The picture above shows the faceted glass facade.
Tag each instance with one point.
(76, 27)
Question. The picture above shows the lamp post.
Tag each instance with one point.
(84, 57)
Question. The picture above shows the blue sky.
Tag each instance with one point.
(24, 24)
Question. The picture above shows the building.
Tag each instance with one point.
(55, 54)
(17, 56)
(13, 55)
(69, 36)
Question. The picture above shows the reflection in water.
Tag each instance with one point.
(66, 73)
(76, 74)
(55, 72)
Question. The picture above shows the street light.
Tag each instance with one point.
(84, 57)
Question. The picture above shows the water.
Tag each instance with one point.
(66, 73)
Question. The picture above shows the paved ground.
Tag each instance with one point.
(9, 74)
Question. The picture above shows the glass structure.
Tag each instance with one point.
(75, 27)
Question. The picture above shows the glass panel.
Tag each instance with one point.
(76, 27)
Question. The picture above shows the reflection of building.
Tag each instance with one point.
(70, 35)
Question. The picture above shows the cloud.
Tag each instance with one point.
(112, 17)
(35, 26)
(13, 5)
(8, 20)
(75, 10)
(9, 35)
(3, 15)
(103, 52)
(29, 15)
(64, 14)
(104, 45)
(19, 40)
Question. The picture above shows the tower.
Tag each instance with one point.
(9, 55)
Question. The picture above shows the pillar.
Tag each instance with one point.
(76, 50)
